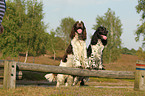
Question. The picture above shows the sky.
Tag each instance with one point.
(88, 10)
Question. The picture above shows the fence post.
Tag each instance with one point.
(139, 83)
(9, 80)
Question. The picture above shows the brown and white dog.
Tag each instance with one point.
(95, 49)
(75, 56)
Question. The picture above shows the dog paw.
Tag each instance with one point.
(94, 66)
(88, 67)
(101, 67)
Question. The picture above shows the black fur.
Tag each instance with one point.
(97, 35)
(68, 51)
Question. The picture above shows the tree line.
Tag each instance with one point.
(141, 28)
(25, 31)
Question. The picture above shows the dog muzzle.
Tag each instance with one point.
(80, 33)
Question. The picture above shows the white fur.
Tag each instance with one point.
(77, 59)
(61, 77)
(80, 21)
(50, 77)
(80, 53)
(95, 58)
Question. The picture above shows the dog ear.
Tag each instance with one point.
(94, 39)
(72, 34)
(84, 34)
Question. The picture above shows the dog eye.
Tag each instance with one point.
(100, 32)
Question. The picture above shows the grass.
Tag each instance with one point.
(125, 63)
(70, 91)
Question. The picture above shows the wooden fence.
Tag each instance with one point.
(10, 67)
(139, 83)
(18, 72)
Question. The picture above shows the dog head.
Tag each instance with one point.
(102, 33)
(78, 28)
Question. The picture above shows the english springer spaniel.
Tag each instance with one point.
(95, 49)
(75, 55)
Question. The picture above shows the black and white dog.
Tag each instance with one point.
(95, 49)
(75, 56)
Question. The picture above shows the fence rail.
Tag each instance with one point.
(70, 71)
(73, 71)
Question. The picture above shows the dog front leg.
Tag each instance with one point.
(85, 59)
(76, 79)
(69, 80)
(76, 62)
(60, 79)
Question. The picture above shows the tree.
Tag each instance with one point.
(140, 53)
(55, 43)
(114, 26)
(34, 41)
(64, 30)
(133, 51)
(24, 29)
(127, 51)
(141, 8)
(141, 28)
(14, 16)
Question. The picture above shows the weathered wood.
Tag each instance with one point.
(19, 74)
(1, 73)
(139, 83)
(75, 71)
(9, 80)
(2, 63)
(140, 62)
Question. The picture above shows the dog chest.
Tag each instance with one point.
(98, 48)
(78, 47)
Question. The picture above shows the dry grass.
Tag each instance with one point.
(43, 59)
(69, 91)
(125, 63)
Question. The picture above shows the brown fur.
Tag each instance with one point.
(72, 35)
(68, 51)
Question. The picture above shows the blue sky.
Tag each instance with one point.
(88, 10)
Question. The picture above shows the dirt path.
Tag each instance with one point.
(45, 83)
(113, 86)
(90, 84)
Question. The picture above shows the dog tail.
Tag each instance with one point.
(50, 77)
